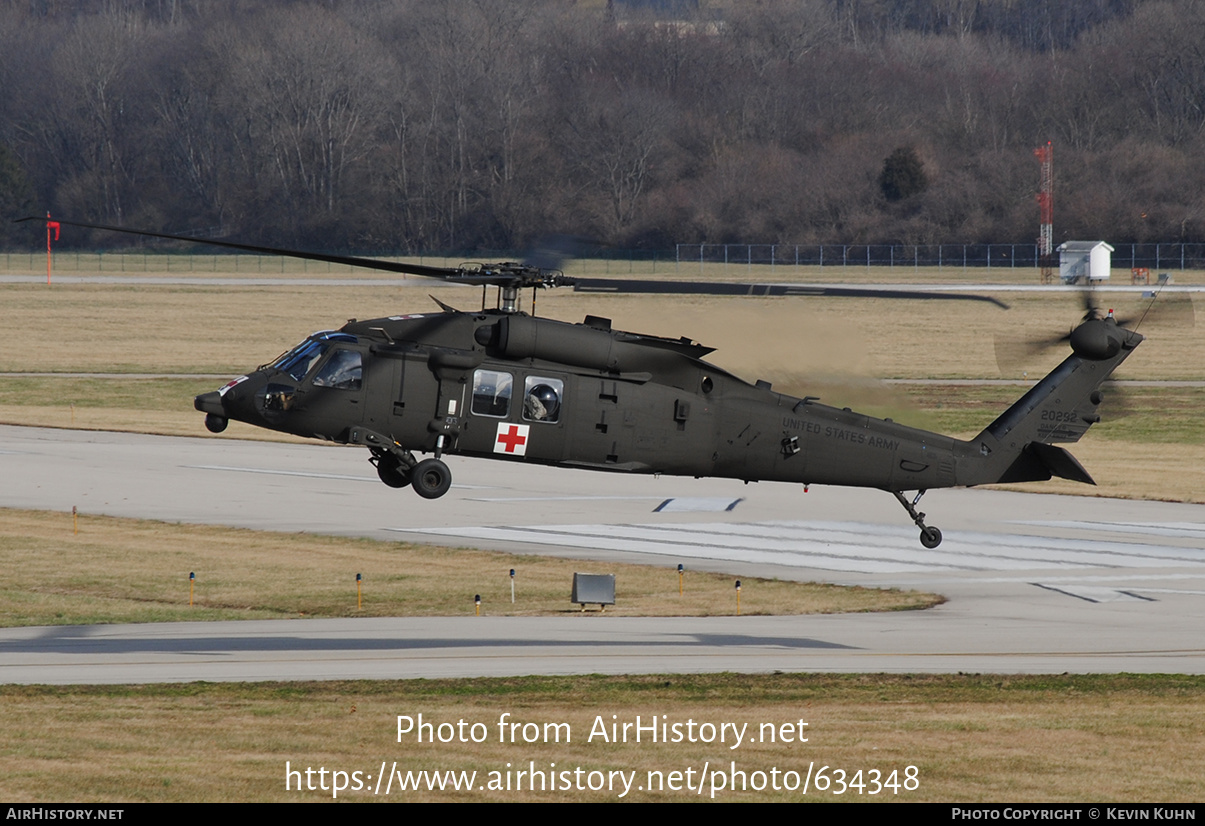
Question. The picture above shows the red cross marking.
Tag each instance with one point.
(511, 439)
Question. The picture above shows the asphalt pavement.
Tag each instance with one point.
(1036, 583)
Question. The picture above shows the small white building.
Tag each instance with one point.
(1083, 262)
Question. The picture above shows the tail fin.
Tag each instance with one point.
(1019, 445)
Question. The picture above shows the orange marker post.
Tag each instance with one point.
(359, 602)
(192, 578)
(738, 597)
(681, 569)
(477, 601)
(75, 519)
(50, 225)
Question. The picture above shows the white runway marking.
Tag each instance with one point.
(275, 472)
(1182, 591)
(1189, 530)
(840, 546)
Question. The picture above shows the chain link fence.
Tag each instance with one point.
(605, 261)
(1173, 256)
(1155, 257)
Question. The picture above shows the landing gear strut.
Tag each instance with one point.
(929, 537)
(398, 468)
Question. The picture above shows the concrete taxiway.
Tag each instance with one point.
(1035, 583)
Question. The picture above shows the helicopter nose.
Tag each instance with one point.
(210, 403)
(231, 401)
(222, 405)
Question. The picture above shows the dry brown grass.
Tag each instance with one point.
(120, 328)
(183, 329)
(794, 342)
(123, 570)
(976, 739)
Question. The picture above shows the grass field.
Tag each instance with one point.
(1119, 738)
(224, 329)
(205, 329)
(124, 570)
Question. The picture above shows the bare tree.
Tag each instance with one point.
(303, 99)
(617, 141)
(93, 111)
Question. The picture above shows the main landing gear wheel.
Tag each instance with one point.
(391, 473)
(930, 538)
(431, 478)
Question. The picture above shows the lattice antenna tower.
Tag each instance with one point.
(1046, 208)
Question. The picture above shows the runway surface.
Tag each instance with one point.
(1035, 583)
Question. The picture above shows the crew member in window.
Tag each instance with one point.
(542, 404)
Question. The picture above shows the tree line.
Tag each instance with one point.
(417, 125)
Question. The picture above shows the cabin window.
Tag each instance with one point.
(542, 399)
(491, 393)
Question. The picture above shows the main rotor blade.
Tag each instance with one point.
(445, 273)
(617, 285)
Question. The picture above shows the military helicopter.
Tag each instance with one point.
(499, 383)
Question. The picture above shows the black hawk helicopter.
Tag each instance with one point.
(499, 383)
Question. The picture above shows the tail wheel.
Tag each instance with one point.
(431, 478)
(930, 537)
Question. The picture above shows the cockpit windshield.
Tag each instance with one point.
(298, 361)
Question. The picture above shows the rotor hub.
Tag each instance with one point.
(1099, 339)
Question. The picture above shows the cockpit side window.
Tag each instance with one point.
(298, 361)
(343, 371)
(491, 393)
